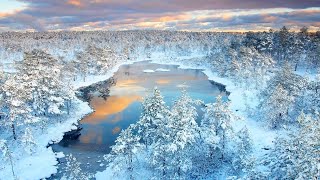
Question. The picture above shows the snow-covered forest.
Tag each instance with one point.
(267, 129)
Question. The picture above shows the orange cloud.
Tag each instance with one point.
(269, 18)
(168, 18)
(306, 12)
(226, 17)
(76, 3)
(2, 15)
(6, 14)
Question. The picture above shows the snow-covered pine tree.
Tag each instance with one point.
(69, 70)
(16, 109)
(105, 58)
(185, 132)
(265, 44)
(28, 140)
(284, 43)
(122, 155)
(163, 151)
(82, 64)
(2, 74)
(154, 113)
(218, 63)
(276, 107)
(242, 159)
(263, 62)
(313, 54)
(7, 154)
(219, 116)
(251, 39)
(183, 120)
(209, 134)
(235, 68)
(297, 156)
(302, 46)
(295, 85)
(246, 63)
(42, 72)
(72, 169)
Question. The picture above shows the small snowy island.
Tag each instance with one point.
(148, 71)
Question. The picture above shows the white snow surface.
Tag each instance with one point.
(162, 70)
(92, 79)
(148, 71)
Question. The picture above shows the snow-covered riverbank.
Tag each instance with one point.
(42, 163)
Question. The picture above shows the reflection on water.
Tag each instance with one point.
(113, 105)
(116, 130)
(123, 106)
(163, 81)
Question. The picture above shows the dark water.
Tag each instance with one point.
(122, 107)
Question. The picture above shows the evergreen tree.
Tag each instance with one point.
(276, 107)
(162, 151)
(28, 140)
(266, 44)
(16, 109)
(2, 74)
(284, 37)
(218, 118)
(42, 72)
(292, 83)
(223, 117)
(154, 112)
(7, 154)
(242, 159)
(183, 121)
(82, 64)
(72, 170)
(185, 132)
(123, 153)
(297, 156)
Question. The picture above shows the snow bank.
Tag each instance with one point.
(92, 79)
(42, 163)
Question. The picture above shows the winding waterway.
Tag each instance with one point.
(117, 104)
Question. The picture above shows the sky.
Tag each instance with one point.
(186, 15)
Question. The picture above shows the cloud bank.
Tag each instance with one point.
(200, 15)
